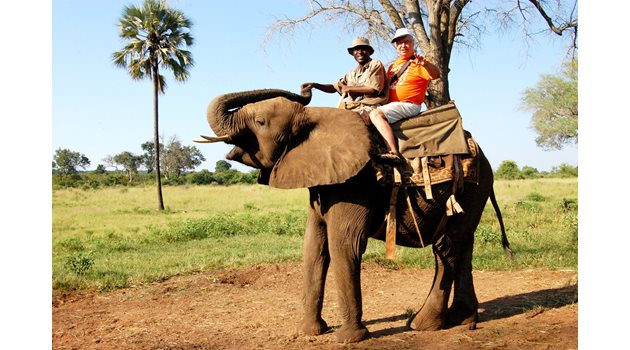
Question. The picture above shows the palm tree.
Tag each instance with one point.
(155, 35)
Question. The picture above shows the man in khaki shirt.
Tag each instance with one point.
(363, 87)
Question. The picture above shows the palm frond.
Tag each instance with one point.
(154, 34)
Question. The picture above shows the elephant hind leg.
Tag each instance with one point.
(465, 303)
(432, 314)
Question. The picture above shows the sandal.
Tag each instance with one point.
(391, 157)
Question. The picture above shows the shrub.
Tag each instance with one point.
(79, 264)
(508, 170)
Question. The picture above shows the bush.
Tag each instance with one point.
(508, 170)
(564, 170)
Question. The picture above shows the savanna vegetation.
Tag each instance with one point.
(113, 237)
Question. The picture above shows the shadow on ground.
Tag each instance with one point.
(499, 308)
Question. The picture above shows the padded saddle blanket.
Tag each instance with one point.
(438, 135)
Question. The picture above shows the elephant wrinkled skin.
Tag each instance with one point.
(328, 151)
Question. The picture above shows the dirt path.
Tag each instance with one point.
(259, 307)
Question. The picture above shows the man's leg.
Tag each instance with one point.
(378, 119)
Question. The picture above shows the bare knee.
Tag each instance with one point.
(377, 115)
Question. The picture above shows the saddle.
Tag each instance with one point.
(436, 149)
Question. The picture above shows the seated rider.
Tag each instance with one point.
(406, 92)
(364, 86)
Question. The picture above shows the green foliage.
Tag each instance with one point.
(528, 172)
(156, 35)
(100, 169)
(565, 170)
(178, 159)
(129, 161)
(221, 166)
(79, 264)
(508, 170)
(248, 222)
(535, 197)
(66, 161)
(203, 177)
(554, 102)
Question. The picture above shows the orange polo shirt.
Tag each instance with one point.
(411, 86)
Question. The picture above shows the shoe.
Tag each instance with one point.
(391, 157)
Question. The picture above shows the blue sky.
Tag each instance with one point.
(98, 110)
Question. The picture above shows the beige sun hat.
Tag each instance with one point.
(360, 41)
(400, 32)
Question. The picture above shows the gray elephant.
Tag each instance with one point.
(328, 151)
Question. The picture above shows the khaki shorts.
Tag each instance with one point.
(395, 111)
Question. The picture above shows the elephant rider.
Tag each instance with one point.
(364, 86)
(407, 89)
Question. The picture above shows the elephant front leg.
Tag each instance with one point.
(432, 314)
(316, 262)
(346, 260)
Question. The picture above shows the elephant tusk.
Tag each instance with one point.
(210, 139)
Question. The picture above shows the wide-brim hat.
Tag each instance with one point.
(360, 41)
(400, 32)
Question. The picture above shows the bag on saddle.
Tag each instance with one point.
(434, 132)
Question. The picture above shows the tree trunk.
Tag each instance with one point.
(438, 92)
(156, 139)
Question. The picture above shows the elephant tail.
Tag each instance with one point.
(504, 239)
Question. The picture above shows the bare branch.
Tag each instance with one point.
(571, 23)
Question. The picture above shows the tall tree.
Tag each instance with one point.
(155, 36)
(554, 102)
(179, 158)
(129, 161)
(437, 24)
(66, 161)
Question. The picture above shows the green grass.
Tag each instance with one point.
(111, 238)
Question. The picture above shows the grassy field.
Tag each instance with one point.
(111, 238)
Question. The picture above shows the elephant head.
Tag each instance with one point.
(292, 145)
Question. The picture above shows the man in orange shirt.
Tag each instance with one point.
(406, 93)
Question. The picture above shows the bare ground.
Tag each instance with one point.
(259, 308)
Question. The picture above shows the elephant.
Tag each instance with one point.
(330, 152)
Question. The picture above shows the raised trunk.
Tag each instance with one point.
(220, 110)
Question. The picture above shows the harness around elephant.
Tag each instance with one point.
(436, 149)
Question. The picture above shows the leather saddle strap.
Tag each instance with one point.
(426, 177)
(415, 222)
(390, 233)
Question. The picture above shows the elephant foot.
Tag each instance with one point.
(462, 314)
(351, 334)
(316, 327)
(426, 321)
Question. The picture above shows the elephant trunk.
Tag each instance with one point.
(220, 112)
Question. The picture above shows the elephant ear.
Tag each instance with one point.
(332, 146)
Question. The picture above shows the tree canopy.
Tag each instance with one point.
(554, 102)
(67, 162)
(129, 161)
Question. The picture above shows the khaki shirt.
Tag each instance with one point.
(372, 75)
